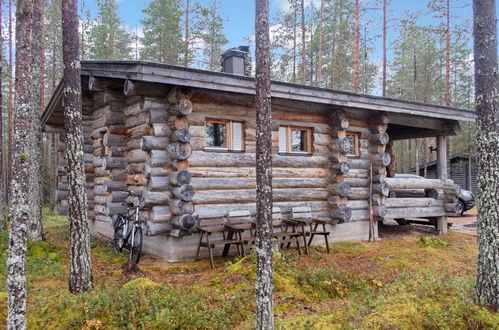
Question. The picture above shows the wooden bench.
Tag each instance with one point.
(217, 224)
(303, 217)
(240, 222)
(284, 235)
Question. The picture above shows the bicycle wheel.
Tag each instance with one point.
(136, 245)
(120, 229)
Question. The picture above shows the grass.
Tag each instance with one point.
(408, 282)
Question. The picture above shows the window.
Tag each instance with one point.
(354, 138)
(295, 139)
(224, 135)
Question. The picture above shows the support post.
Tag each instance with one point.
(442, 175)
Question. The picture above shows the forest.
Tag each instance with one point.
(357, 46)
(324, 43)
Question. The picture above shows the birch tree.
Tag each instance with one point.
(80, 266)
(22, 159)
(264, 257)
(487, 108)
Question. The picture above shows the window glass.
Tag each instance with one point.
(216, 134)
(282, 139)
(353, 138)
(237, 136)
(298, 140)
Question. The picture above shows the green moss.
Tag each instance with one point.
(432, 242)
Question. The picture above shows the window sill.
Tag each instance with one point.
(224, 151)
(304, 154)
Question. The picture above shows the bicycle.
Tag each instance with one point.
(126, 235)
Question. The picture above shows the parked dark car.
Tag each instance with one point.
(466, 200)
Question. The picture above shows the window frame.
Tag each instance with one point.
(228, 135)
(289, 141)
(356, 145)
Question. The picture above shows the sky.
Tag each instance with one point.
(239, 14)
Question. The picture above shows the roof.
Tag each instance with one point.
(181, 76)
(453, 159)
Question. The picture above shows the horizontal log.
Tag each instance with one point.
(136, 180)
(358, 193)
(158, 158)
(415, 212)
(238, 172)
(115, 208)
(342, 168)
(137, 156)
(159, 116)
(159, 129)
(179, 178)
(116, 151)
(250, 183)
(249, 195)
(341, 189)
(152, 198)
(184, 192)
(114, 140)
(139, 119)
(62, 195)
(182, 108)
(379, 139)
(381, 159)
(181, 135)
(403, 193)
(154, 171)
(340, 145)
(413, 183)
(179, 150)
(381, 188)
(157, 228)
(337, 201)
(110, 163)
(184, 221)
(178, 206)
(412, 202)
(343, 214)
(148, 143)
(158, 183)
(208, 159)
(103, 218)
(177, 123)
(152, 103)
(160, 213)
(139, 131)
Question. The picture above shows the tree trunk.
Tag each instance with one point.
(321, 42)
(9, 104)
(22, 162)
(264, 259)
(384, 48)
(303, 46)
(487, 108)
(3, 192)
(80, 268)
(186, 42)
(36, 229)
(356, 41)
(447, 55)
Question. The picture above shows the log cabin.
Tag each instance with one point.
(186, 139)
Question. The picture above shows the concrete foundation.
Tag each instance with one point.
(174, 249)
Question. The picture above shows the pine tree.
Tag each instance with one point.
(209, 29)
(109, 40)
(80, 266)
(487, 107)
(264, 259)
(36, 229)
(3, 195)
(22, 160)
(162, 40)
